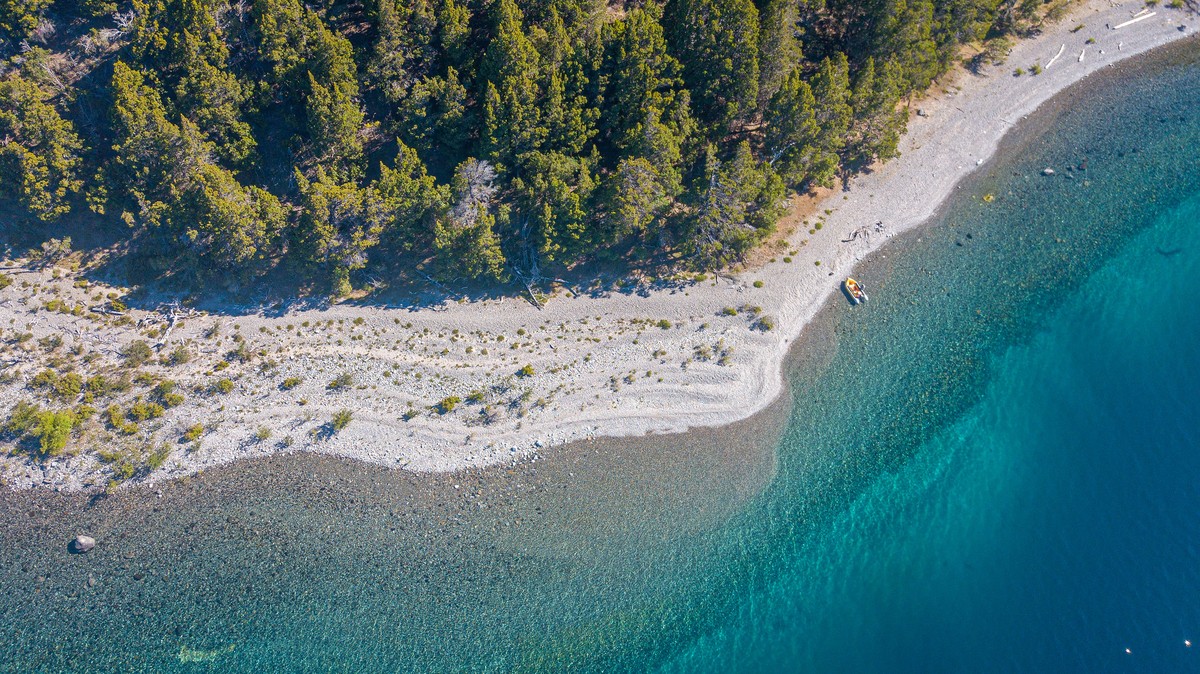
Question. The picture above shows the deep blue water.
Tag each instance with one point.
(992, 467)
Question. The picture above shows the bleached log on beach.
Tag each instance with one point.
(174, 318)
(1134, 20)
(1056, 56)
(1081, 55)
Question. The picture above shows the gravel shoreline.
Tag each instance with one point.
(659, 358)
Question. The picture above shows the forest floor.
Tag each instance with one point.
(485, 381)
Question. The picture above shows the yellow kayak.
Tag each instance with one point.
(855, 291)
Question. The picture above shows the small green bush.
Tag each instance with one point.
(447, 404)
(177, 356)
(664, 324)
(241, 353)
(141, 410)
(222, 386)
(193, 432)
(101, 386)
(526, 371)
(158, 457)
(23, 418)
(341, 419)
(137, 353)
(729, 311)
(758, 284)
(66, 387)
(290, 383)
(262, 434)
(53, 431)
(343, 380)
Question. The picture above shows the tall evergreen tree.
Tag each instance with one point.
(40, 154)
(793, 132)
(153, 156)
(779, 49)
(831, 93)
(569, 117)
(512, 121)
(230, 228)
(636, 199)
(334, 122)
(339, 222)
(213, 97)
(434, 116)
(465, 237)
(553, 194)
(643, 79)
(404, 51)
(717, 42)
(879, 121)
(738, 204)
(409, 201)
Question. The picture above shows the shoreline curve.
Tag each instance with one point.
(655, 360)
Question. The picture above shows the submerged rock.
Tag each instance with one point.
(81, 544)
(1047, 171)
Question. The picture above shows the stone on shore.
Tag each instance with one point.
(81, 544)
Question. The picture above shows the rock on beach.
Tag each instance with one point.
(81, 544)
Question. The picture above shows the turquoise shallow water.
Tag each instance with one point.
(991, 467)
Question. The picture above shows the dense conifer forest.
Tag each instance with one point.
(215, 141)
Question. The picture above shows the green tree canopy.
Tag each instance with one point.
(39, 153)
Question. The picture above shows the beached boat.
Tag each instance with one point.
(854, 291)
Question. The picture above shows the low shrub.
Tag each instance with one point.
(341, 419)
(447, 404)
(343, 380)
(137, 353)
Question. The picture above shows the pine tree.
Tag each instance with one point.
(831, 93)
(403, 53)
(553, 192)
(779, 49)
(19, 18)
(717, 42)
(738, 204)
(39, 157)
(182, 45)
(454, 31)
(433, 118)
(792, 134)
(636, 200)
(334, 121)
(879, 121)
(643, 80)
(469, 249)
(409, 201)
(231, 229)
(511, 118)
(213, 97)
(465, 239)
(569, 118)
(338, 224)
(284, 33)
(152, 155)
